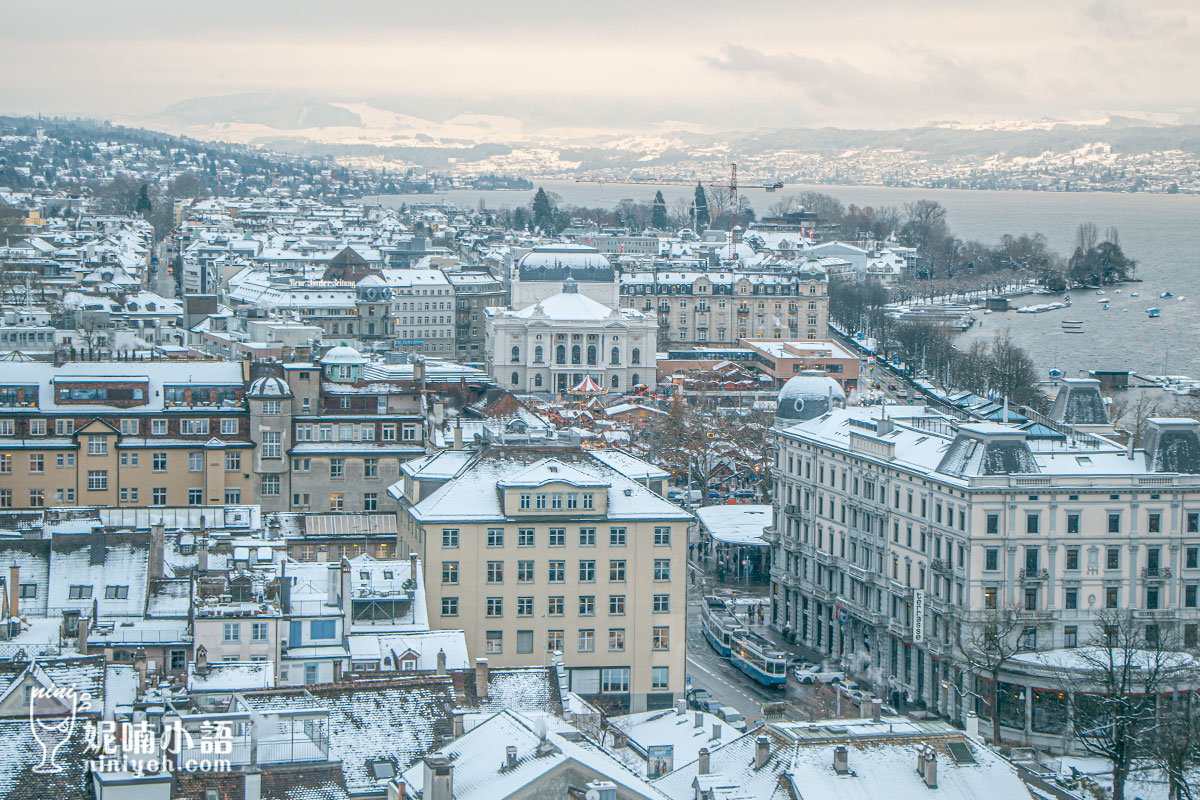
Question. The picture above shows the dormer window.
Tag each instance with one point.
(587, 500)
(540, 501)
(525, 501)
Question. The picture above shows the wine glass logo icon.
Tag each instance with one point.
(52, 715)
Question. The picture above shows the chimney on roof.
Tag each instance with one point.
(332, 584)
(81, 635)
(412, 567)
(14, 591)
(702, 762)
(458, 444)
(157, 544)
(876, 710)
(841, 760)
(930, 773)
(762, 751)
(201, 667)
(510, 756)
(253, 784)
(681, 707)
(699, 719)
(972, 725)
(456, 716)
(439, 778)
(139, 666)
(285, 590)
(202, 553)
(716, 730)
(481, 678)
(441, 662)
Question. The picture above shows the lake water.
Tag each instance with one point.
(1161, 231)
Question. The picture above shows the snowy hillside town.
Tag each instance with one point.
(309, 497)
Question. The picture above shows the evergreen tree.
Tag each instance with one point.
(658, 212)
(543, 212)
(143, 205)
(701, 208)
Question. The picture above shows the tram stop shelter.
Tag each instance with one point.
(733, 542)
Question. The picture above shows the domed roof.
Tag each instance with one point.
(557, 262)
(343, 354)
(269, 387)
(808, 396)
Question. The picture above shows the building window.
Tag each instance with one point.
(662, 537)
(1072, 523)
(272, 446)
(616, 640)
(495, 572)
(97, 480)
(337, 468)
(525, 498)
(37, 463)
(1032, 522)
(555, 605)
(231, 631)
(587, 605)
(1072, 558)
(1112, 559)
(196, 497)
(450, 573)
(991, 559)
(525, 537)
(159, 462)
(1110, 597)
(97, 445)
(659, 678)
(662, 569)
(587, 570)
(554, 641)
(158, 496)
(616, 537)
(449, 606)
(989, 597)
(614, 680)
(269, 485)
(587, 640)
(660, 638)
(525, 571)
(587, 537)
(662, 603)
(587, 500)
(616, 605)
(494, 642)
(557, 571)
(229, 426)
(1189, 595)
(233, 496)
(616, 570)
(28, 591)
(495, 607)
(993, 522)
(79, 592)
(260, 632)
(495, 537)
(233, 461)
(449, 538)
(1114, 523)
(370, 467)
(539, 501)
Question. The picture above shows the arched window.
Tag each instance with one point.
(561, 354)
(515, 379)
(592, 354)
(575, 354)
(616, 355)
(516, 353)
(616, 382)
(537, 380)
(634, 379)
(636, 356)
(537, 354)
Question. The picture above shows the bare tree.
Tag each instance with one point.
(1174, 744)
(1116, 681)
(987, 641)
(1086, 236)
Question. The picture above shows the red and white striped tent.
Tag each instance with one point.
(587, 386)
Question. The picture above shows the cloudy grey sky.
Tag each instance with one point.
(617, 63)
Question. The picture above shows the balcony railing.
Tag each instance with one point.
(1034, 574)
(1156, 573)
(939, 566)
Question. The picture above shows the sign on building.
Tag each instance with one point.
(918, 625)
(660, 760)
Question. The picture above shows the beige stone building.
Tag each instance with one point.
(718, 307)
(533, 551)
(124, 434)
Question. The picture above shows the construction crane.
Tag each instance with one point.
(732, 185)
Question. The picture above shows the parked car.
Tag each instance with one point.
(743, 493)
(701, 700)
(851, 691)
(733, 718)
(815, 674)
